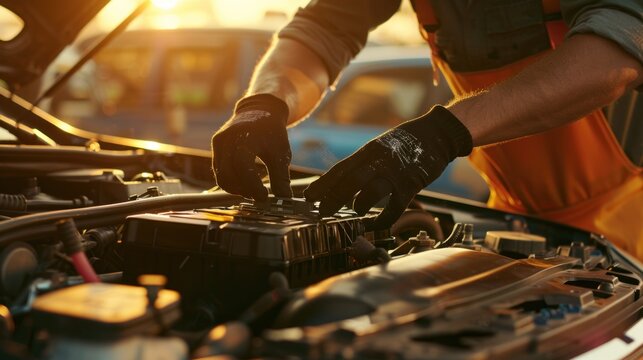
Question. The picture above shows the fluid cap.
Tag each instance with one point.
(514, 242)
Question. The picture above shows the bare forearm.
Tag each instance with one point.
(293, 73)
(585, 73)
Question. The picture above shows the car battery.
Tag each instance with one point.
(224, 256)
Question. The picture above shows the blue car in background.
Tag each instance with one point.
(381, 88)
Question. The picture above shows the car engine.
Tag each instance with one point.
(112, 264)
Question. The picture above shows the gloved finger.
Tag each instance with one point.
(396, 206)
(279, 173)
(343, 193)
(375, 191)
(224, 171)
(326, 183)
(247, 176)
(329, 205)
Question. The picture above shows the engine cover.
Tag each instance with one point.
(224, 256)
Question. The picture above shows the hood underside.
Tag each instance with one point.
(49, 26)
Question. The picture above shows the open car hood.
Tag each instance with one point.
(49, 26)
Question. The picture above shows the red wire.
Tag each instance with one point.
(83, 267)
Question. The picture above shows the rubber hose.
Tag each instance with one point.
(13, 202)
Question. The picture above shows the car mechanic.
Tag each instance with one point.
(530, 79)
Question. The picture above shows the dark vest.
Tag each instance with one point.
(474, 35)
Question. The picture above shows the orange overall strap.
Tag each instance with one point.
(426, 16)
(428, 24)
(556, 27)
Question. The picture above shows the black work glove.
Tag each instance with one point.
(257, 129)
(400, 162)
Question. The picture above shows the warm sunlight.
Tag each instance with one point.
(253, 12)
(150, 145)
(167, 21)
(266, 14)
(165, 4)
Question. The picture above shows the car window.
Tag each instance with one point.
(201, 78)
(122, 75)
(383, 97)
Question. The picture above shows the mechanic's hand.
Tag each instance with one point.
(257, 128)
(400, 162)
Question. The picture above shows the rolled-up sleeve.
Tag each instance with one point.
(618, 20)
(336, 30)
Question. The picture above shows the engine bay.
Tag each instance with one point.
(172, 273)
